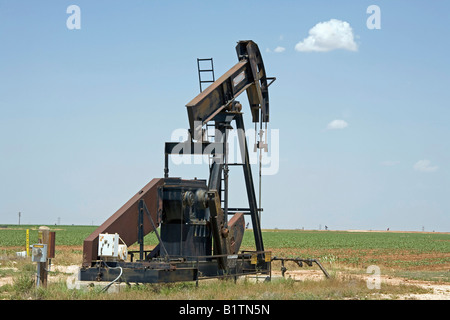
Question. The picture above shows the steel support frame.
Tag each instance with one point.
(218, 150)
(177, 270)
(256, 224)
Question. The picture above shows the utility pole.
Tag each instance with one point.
(19, 217)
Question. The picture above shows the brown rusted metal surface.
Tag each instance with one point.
(236, 226)
(219, 233)
(125, 221)
(51, 245)
(216, 97)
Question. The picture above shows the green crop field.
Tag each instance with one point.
(15, 236)
(355, 240)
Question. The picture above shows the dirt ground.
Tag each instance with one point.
(439, 291)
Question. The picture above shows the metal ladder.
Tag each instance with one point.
(201, 72)
(211, 79)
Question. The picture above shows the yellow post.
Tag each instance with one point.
(28, 242)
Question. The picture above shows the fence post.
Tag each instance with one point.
(43, 238)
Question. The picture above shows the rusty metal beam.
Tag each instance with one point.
(248, 74)
(125, 221)
(218, 96)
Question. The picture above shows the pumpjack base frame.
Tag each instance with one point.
(176, 270)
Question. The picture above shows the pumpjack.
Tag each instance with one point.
(199, 234)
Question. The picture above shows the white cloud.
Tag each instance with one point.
(424, 166)
(327, 36)
(337, 124)
(279, 49)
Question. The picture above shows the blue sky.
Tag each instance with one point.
(84, 113)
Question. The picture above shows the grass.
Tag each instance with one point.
(350, 287)
(438, 276)
(278, 289)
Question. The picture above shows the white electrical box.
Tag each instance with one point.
(108, 245)
(39, 253)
